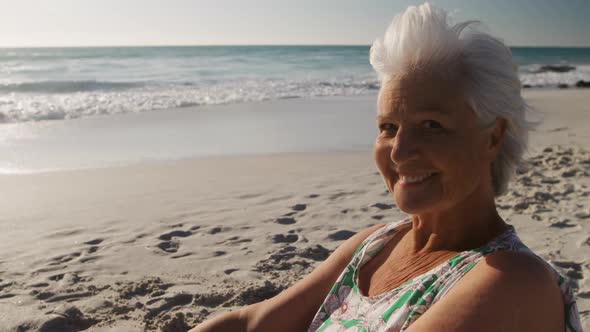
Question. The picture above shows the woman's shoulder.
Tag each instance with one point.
(511, 266)
(517, 259)
(518, 274)
(511, 289)
(521, 277)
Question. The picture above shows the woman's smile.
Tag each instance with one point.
(415, 180)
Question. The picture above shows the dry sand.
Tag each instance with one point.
(162, 246)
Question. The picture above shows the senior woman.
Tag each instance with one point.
(452, 129)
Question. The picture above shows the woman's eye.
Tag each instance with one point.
(431, 124)
(388, 127)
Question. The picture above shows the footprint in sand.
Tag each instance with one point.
(282, 238)
(37, 285)
(42, 295)
(341, 235)
(234, 240)
(230, 271)
(255, 294)
(56, 277)
(169, 246)
(94, 242)
(218, 229)
(88, 259)
(82, 257)
(63, 258)
(285, 220)
(212, 300)
(299, 207)
(565, 223)
(181, 299)
(383, 206)
(178, 233)
(215, 230)
(5, 285)
(67, 318)
(151, 286)
(92, 249)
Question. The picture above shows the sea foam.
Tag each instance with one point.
(66, 83)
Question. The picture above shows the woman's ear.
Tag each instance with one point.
(497, 136)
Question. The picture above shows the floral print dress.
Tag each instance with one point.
(346, 309)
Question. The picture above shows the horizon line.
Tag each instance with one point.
(231, 45)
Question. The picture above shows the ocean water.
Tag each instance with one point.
(63, 83)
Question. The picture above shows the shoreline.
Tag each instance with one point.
(290, 125)
(340, 124)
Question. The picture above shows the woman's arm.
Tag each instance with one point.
(229, 321)
(294, 308)
(505, 291)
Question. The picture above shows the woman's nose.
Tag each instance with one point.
(404, 147)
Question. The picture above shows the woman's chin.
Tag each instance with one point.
(415, 203)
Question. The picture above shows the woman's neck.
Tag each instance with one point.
(467, 225)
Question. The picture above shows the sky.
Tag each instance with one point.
(265, 22)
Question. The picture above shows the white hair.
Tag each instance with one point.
(422, 37)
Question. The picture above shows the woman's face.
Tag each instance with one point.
(430, 150)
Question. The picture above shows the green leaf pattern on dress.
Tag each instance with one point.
(346, 309)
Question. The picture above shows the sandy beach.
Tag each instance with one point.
(163, 245)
